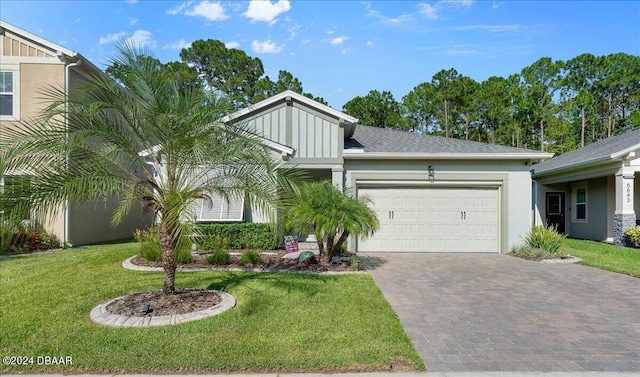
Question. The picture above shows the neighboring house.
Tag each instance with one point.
(431, 194)
(29, 64)
(592, 192)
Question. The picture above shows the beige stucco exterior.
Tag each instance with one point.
(37, 65)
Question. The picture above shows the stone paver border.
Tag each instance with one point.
(561, 261)
(101, 316)
(130, 266)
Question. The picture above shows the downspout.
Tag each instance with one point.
(67, 75)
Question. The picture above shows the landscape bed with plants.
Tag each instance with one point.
(545, 243)
(281, 323)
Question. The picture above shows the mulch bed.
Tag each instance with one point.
(271, 260)
(181, 302)
(191, 300)
(538, 259)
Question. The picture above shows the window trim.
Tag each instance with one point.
(16, 95)
(574, 200)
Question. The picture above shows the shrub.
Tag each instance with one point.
(149, 244)
(632, 235)
(218, 258)
(184, 255)
(529, 252)
(545, 238)
(28, 238)
(238, 236)
(250, 257)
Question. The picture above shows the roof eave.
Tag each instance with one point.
(443, 156)
(574, 166)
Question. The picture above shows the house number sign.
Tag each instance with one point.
(628, 192)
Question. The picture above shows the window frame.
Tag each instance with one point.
(15, 94)
(576, 203)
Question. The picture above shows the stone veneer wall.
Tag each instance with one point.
(620, 223)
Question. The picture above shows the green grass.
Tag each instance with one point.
(282, 322)
(623, 260)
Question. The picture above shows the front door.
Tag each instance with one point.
(555, 211)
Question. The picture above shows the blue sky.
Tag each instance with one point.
(343, 49)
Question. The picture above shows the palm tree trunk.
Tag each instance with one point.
(329, 251)
(341, 240)
(169, 259)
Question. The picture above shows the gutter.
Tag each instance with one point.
(67, 75)
(358, 155)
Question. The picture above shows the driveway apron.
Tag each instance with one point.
(490, 312)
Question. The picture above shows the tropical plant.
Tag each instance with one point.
(333, 215)
(633, 235)
(100, 139)
(544, 238)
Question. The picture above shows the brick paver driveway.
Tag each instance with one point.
(486, 312)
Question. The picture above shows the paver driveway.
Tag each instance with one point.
(488, 312)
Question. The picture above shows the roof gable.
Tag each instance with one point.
(291, 95)
(19, 42)
(609, 149)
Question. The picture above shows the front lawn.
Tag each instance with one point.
(605, 256)
(282, 322)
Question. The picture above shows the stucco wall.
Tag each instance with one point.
(597, 224)
(91, 223)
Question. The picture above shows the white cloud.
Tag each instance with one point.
(428, 10)
(78, 19)
(232, 44)
(266, 47)
(141, 38)
(211, 11)
(131, 1)
(345, 51)
(265, 11)
(369, 43)
(496, 4)
(337, 41)
(133, 21)
(179, 8)
(179, 45)
(330, 31)
(402, 19)
(110, 38)
(490, 28)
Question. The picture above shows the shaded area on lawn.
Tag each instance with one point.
(283, 322)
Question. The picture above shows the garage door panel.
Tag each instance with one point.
(434, 220)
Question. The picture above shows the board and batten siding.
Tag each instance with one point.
(312, 135)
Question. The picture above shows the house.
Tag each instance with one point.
(591, 192)
(431, 194)
(29, 64)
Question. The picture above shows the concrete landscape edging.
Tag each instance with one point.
(101, 316)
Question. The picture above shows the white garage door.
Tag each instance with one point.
(434, 220)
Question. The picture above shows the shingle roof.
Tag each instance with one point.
(382, 140)
(606, 149)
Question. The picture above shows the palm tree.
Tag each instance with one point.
(155, 143)
(333, 215)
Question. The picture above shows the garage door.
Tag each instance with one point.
(434, 220)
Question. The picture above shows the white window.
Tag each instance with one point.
(580, 204)
(218, 209)
(7, 94)
(14, 189)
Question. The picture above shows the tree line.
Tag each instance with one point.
(553, 106)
